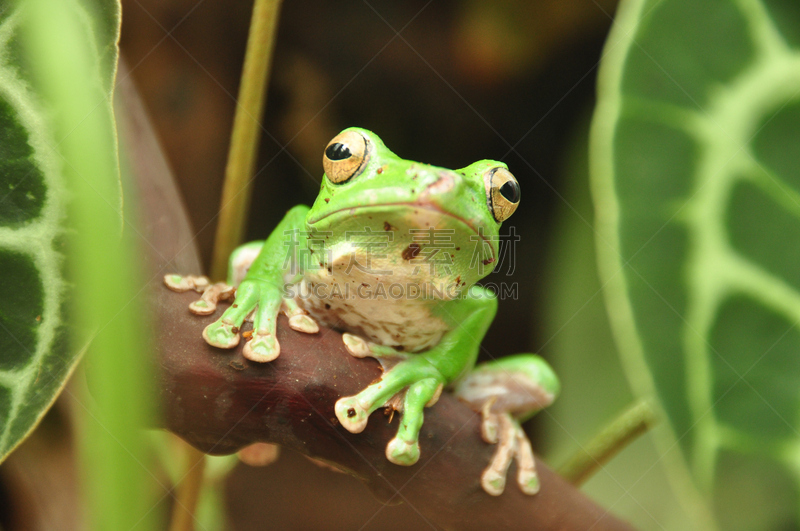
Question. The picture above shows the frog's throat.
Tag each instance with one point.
(349, 211)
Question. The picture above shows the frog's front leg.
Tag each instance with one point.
(262, 292)
(506, 392)
(424, 375)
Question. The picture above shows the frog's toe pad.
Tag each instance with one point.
(528, 482)
(181, 283)
(202, 307)
(351, 414)
(356, 346)
(262, 348)
(303, 323)
(219, 334)
(401, 452)
(493, 481)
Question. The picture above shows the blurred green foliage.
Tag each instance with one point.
(37, 356)
(695, 178)
(70, 54)
(579, 342)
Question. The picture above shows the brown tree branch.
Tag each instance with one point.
(220, 402)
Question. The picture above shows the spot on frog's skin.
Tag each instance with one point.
(411, 251)
(327, 199)
(488, 261)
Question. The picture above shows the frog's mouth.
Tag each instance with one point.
(364, 209)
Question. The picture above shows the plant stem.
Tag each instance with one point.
(632, 423)
(246, 134)
(188, 490)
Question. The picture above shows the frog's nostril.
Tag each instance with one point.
(442, 185)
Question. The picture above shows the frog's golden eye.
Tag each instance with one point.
(345, 156)
(502, 193)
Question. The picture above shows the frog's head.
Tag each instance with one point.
(366, 185)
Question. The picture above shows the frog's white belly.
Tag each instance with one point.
(383, 309)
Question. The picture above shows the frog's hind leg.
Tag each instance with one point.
(508, 391)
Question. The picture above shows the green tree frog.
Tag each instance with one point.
(390, 254)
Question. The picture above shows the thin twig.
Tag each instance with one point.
(246, 134)
(632, 423)
(188, 490)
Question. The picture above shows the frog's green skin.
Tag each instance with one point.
(359, 235)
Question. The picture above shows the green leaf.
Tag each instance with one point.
(696, 181)
(36, 356)
(579, 344)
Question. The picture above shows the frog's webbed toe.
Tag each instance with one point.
(181, 283)
(356, 346)
(221, 335)
(402, 452)
(299, 319)
(211, 297)
(262, 348)
(352, 414)
(527, 479)
(303, 323)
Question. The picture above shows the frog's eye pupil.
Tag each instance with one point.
(510, 190)
(338, 151)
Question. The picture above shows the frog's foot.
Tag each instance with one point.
(511, 443)
(262, 347)
(181, 283)
(211, 293)
(221, 334)
(211, 296)
(422, 384)
(298, 318)
(261, 298)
